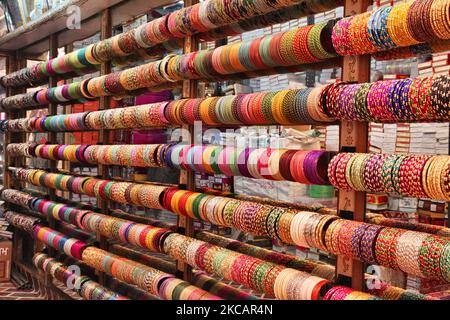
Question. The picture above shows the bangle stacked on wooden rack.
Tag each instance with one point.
(393, 293)
(24, 222)
(307, 167)
(205, 64)
(152, 280)
(386, 292)
(382, 29)
(405, 100)
(344, 293)
(417, 176)
(150, 237)
(85, 287)
(369, 243)
(402, 25)
(313, 267)
(254, 273)
(72, 247)
(380, 219)
(141, 43)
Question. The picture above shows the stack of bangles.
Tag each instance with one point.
(126, 231)
(313, 267)
(256, 274)
(70, 246)
(365, 242)
(418, 176)
(404, 100)
(390, 27)
(303, 45)
(307, 167)
(158, 283)
(82, 285)
(419, 99)
(268, 278)
(402, 224)
(199, 18)
(25, 223)
(386, 28)
(386, 292)
(151, 237)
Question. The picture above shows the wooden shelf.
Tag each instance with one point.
(32, 39)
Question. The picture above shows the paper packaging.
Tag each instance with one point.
(5, 260)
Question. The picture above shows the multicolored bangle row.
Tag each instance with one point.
(405, 100)
(141, 43)
(262, 276)
(402, 25)
(158, 283)
(315, 268)
(82, 285)
(420, 99)
(201, 279)
(418, 176)
(307, 167)
(387, 28)
(380, 219)
(295, 47)
(369, 243)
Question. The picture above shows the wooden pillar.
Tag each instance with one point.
(14, 63)
(67, 110)
(353, 138)
(187, 178)
(103, 136)
(52, 136)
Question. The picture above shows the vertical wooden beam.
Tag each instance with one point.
(13, 63)
(187, 178)
(353, 138)
(11, 66)
(67, 110)
(103, 136)
(52, 136)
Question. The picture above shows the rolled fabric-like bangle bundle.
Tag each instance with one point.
(344, 293)
(23, 222)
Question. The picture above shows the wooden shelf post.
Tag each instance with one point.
(52, 136)
(187, 178)
(353, 138)
(103, 136)
(14, 63)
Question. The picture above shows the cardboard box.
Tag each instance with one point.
(5, 260)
